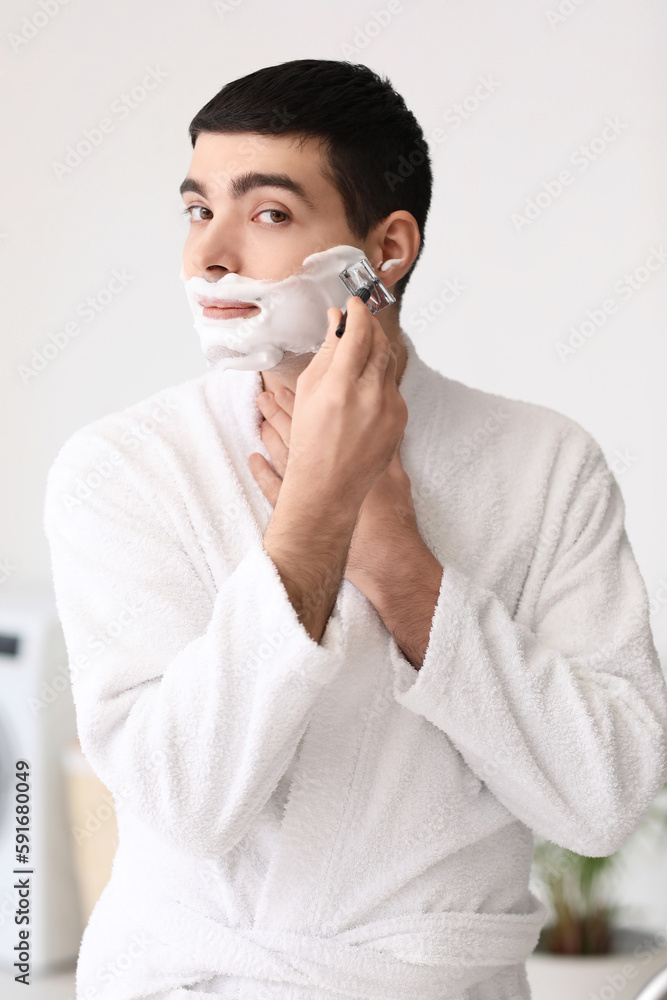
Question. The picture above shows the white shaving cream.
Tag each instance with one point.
(293, 317)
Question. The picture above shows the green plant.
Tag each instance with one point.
(577, 888)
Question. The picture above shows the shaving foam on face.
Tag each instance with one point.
(293, 315)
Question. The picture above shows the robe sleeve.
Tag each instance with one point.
(564, 717)
(190, 703)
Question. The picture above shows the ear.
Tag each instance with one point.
(396, 240)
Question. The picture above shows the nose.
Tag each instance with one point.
(214, 272)
(214, 251)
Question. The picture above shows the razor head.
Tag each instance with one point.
(362, 273)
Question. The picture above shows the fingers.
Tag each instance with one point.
(285, 397)
(326, 353)
(392, 364)
(278, 414)
(274, 444)
(380, 357)
(265, 477)
(363, 352)
(357, 343)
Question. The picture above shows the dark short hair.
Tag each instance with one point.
(375, 153)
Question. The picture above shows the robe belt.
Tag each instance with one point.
(430, 955)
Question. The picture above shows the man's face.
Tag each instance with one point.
(279, 210)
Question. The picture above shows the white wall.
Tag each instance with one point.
(555, 85)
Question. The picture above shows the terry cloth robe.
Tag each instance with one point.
(323, 821)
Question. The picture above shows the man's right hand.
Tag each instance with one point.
(347, 423)
(349, 416)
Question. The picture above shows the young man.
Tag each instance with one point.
(343, 633)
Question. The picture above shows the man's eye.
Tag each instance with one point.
(196, 208)
(272, 212)
(275, 211)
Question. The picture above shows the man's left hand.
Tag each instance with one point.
(386, 532)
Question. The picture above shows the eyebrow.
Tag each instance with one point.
(242, 183)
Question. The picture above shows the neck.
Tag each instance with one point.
(287, 372)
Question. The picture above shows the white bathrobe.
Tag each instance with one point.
(304, 821)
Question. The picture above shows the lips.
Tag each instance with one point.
(226, 303)
(226, 308)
